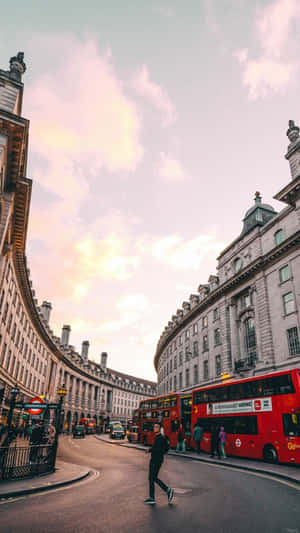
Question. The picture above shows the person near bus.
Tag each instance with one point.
(215, 441)
(180, 440)
(197, 436)
(222, 438)
(157, 451)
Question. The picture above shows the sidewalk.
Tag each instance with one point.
(65, 474)
(288, 472)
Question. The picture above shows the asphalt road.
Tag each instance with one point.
(208, 498)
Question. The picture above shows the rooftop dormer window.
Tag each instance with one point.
(237, 265)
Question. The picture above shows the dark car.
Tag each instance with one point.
(79, 432)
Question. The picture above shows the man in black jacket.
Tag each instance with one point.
(157, 451)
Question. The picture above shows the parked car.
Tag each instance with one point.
(79, 431)
(116, 431)
(132, 434)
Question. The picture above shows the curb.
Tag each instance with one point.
(218, 463)
(23, 492)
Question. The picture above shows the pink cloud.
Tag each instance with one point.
(155, 94)
(277, 65)
(170, 169)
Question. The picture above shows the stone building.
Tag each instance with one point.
(30, 354)
(245, 320)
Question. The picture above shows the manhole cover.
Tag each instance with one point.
(182, 491)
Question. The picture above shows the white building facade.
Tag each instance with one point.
(245, 320)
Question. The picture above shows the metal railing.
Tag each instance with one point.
(26, 461)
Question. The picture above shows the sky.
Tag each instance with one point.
(152, 125)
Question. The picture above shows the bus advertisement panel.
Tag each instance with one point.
(170, 411)
(261, 416)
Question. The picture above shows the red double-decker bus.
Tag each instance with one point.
(261, 416)
(171, 411)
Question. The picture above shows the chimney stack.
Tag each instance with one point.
(65, 335)
(85, 350)
(46, 310)
(103, 360)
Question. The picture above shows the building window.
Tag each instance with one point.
(218, 365)
(175, 361)
(196, 348)
(205, 343)
(288, 303)
(180, 358)
(180, 380)
(3, 353)
(196, 376)
(187, 334)
(195, 328)
(204, 322)
(187, 377)
(170, 384)
(5, 313)
(180, 340)
(293, 341)
(237, 264)
(246, 300)
(284, 273)
(170, 365)
(175, 383)
(216, 314)
(205, 370)
(250, 337)
(9, 322)
(278, 237)
(187, 354)
(217, 335)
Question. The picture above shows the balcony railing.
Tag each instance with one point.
(245, 364)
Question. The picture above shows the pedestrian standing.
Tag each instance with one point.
(180, 440)
(197, 436)
(215, 441)
(222, 438)
(157, 451)
(35, 439)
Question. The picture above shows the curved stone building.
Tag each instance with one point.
(245, 320)
(30, 354)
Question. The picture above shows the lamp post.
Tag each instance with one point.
(62, 391)
(14, 393)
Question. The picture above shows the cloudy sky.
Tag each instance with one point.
(153, 123)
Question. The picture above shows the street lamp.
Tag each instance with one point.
(62, 391)
(14, 393)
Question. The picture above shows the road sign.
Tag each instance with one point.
(38, 402)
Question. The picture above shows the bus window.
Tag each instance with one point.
(291, 425)
(166, 413)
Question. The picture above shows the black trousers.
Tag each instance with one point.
(154, 467)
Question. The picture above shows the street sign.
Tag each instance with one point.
(53, 405)
(19, 405)
(35, 402)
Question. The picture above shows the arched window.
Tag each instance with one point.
(279, 237)
(250, 338)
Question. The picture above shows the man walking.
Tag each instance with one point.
(157, 451)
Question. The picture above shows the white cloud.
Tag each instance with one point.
(179, 254)
(170, 168)
(277, 29)
(158, 97)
